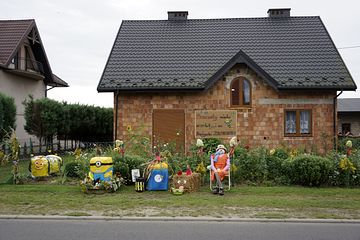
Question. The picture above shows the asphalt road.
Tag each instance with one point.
(177, 230)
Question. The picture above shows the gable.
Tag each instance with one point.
(21, 39)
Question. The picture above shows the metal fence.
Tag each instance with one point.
(29, 148)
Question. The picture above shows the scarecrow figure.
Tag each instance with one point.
(220, 164)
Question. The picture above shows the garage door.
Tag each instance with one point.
(169, 126)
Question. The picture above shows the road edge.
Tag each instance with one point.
(173, 219)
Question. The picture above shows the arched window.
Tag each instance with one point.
(240, 93)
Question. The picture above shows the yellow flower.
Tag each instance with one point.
(293, 153)
(272, 151)
(345, 164)
(200, 168)
(233, 169)
(77, 153)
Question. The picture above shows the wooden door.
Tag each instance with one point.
(169, 127)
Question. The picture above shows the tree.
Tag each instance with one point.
(7, 115)
(46, 118)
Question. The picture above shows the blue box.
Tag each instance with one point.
(158, 180)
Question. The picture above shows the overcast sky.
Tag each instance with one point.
(78, 34)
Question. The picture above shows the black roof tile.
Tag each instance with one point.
(280, 49)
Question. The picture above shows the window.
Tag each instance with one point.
(240, 94)
(346, 128)
(298, 122)
(14, 64)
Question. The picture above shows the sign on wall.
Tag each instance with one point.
(215, 123)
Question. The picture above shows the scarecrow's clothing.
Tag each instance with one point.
(223, 163)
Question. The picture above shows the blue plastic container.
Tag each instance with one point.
(158, 180)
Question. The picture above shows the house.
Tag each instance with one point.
(268, 80)
(348, 116)
(24, 67)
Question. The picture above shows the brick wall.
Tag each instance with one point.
(260, 125)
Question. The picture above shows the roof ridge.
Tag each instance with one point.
(217, 19)
(16, 20)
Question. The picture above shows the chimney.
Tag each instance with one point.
(279, 12)
(177, 15)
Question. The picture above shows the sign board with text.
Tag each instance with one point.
(215, 123)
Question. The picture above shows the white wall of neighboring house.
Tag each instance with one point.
(19, 88)
(352, 118)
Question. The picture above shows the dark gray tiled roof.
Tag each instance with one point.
(348, 105)
(11, 33)
(295, 52)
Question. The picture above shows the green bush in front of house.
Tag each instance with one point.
(309, 170)
(74, 170)
(251, 164)
(347, 169)
(275, 160)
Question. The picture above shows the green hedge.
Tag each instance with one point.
(309, 170)
(46, 118)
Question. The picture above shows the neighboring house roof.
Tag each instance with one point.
(348, 105)
(289, 53)
(58, 82)
(13, 33)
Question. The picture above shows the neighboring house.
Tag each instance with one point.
(269, 81)
(24, 67)
(348, 116)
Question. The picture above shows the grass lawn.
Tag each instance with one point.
(50, 198)
(242, 201)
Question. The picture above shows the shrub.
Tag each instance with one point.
(251, 164)
(275, 165)
(122, 169)
(309, 170)
(342, 143)
(355, 159)
(210, 144)
(347, 169)
(134, 162)
(74, 169)
(124, 165)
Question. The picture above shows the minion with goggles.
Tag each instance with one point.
(220, 165)
(101, 169)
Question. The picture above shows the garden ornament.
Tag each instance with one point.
(348, 147)
(220, 164)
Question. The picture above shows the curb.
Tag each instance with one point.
(177, 219)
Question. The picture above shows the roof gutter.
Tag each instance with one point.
(335, 120)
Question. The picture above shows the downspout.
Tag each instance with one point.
(335, 120)
(48, 89)
(116, 113)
